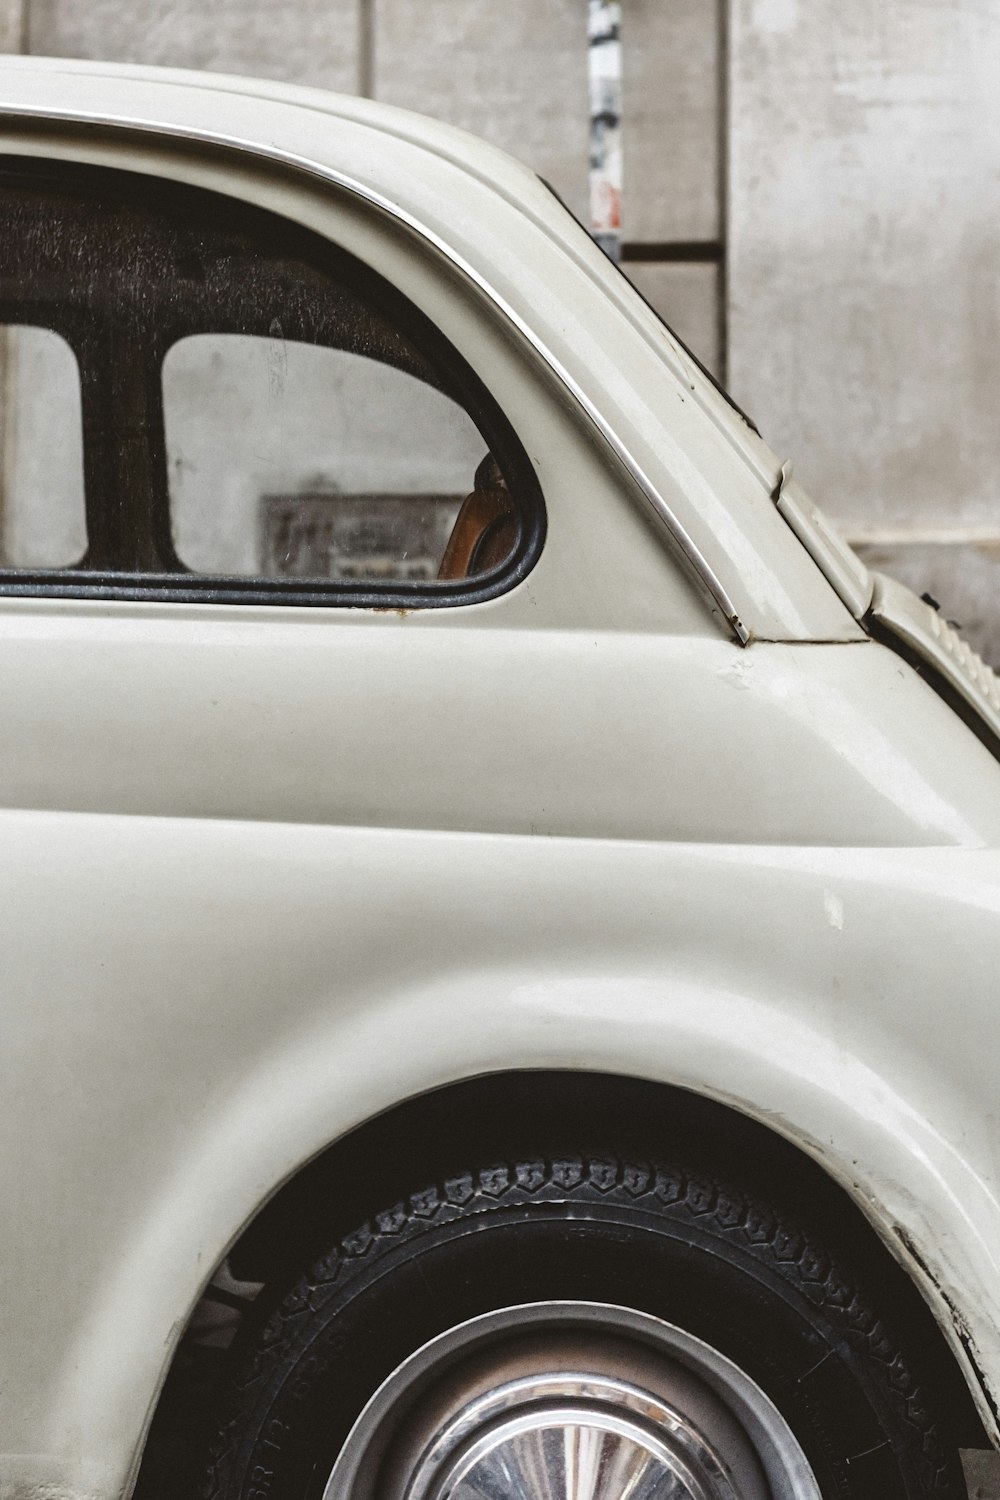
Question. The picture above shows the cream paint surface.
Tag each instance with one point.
(265, 987)
(415, 723)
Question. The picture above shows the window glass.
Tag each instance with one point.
(296, 460)
(43, 522)
(264, 416)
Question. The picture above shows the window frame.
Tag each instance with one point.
(185, 207)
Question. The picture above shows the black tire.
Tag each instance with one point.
(663, 1240)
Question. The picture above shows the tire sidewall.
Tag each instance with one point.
(388, 1291)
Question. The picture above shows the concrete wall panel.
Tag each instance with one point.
(864, 213)
(12, 25)
(670, 121)
(686, 298)
(305, 41)
(515, 73)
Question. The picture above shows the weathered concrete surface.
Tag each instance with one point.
(671, 120)
(982, 1474)
(686, 298)
(307, 41)
(12, 25)
(514, 73)
(864, 205)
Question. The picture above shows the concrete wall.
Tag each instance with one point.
(864, 311)
(811, 199)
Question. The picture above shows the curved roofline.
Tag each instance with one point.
(332, 176)
(450, 142)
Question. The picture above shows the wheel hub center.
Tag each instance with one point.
(570, 1455)
(569, 1437)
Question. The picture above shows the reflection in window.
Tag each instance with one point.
(43, 521)
(294, 460)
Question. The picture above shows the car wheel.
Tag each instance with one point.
(579, 1328)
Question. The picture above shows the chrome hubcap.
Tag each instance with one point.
(569, 1437)
(570, 1401)
(570, 1456)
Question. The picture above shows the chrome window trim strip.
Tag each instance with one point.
(275, 155)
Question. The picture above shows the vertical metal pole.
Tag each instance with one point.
(366, 49)
(604, 71)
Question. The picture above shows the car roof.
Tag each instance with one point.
(499, 223)
(469, 151)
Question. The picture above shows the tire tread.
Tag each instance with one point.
(708, 1205)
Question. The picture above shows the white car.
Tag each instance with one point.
(501, 910)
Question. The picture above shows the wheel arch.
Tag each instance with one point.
(502, 1114)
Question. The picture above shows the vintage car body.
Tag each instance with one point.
(664, 809)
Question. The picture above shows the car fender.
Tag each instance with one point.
(806, 987)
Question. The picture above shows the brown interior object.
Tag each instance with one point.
(483, 535)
